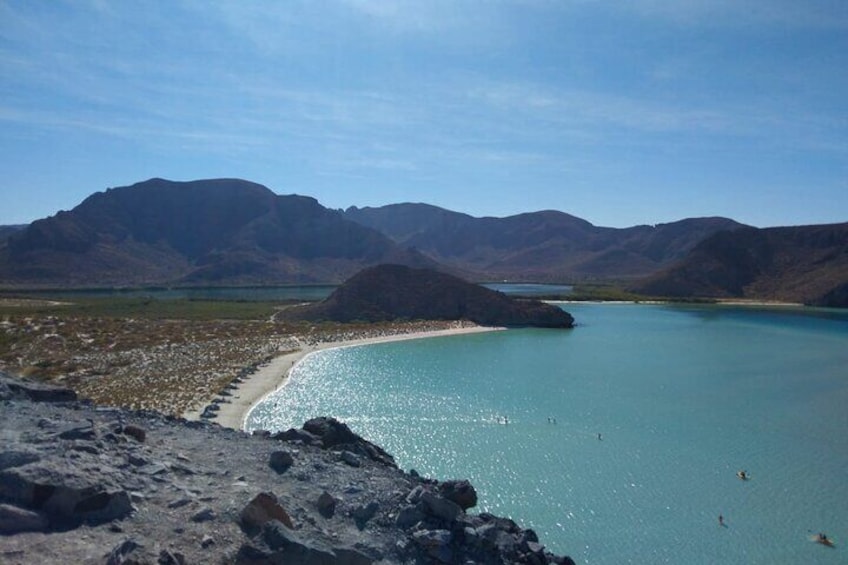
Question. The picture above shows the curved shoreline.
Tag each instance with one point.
(274, 374)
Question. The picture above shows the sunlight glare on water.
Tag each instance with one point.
(683, 397)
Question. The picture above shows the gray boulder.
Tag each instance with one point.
(326, 504)
(280, 461)
(362, 514)
(17, 458)
(332, 433)
(292, 549)
(36, 392)
(351, 459)
(435, 543)
(408, 517)
(440, 508)
(128, 552)
(263, 508)
(67, 496)
(14, 519)
(461, 492)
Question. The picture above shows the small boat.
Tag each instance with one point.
(742, 475)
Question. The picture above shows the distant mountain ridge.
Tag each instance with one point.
(221, 231)
(539, 246)
(806, 264)
(235, 232)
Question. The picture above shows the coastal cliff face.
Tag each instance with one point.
(390, 292)
(80, 484)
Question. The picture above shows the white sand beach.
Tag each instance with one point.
(272, 375)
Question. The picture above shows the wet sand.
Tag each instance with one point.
(271, 376)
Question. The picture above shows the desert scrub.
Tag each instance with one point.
(141, 355)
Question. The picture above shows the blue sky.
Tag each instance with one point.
(620, 112)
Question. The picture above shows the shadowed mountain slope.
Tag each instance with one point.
(223, 231)
(6, 231)
(390, 292)
(540, 246)
(807, 264)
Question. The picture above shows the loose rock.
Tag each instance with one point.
(263, 508)
(326, 505)
(280, 461)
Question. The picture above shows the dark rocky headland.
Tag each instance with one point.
(398, 292)
(86, 484)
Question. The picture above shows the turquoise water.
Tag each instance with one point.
(683, 398)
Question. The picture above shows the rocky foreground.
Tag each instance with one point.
(86, 484)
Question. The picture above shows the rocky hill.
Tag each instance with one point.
(89, 485)
(806, 264)
(222, 231)
(390, 292)
(538, 246)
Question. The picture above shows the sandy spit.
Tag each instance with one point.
(271, 376)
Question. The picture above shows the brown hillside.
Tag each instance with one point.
(539, 246)
(807, 264)
(220, 231)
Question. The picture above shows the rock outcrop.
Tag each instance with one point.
(85, 484)
(397, 292)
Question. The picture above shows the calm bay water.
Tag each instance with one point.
(683, 397)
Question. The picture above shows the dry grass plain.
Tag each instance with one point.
(171, 356)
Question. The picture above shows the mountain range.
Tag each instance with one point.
(235, 232)
(537, 246)
(221, 231)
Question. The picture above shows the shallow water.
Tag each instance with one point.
(683, 398)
